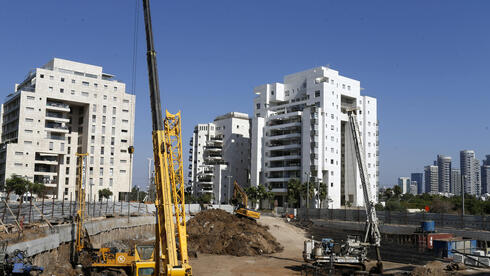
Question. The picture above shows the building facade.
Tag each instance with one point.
(419, 179)
(456, 181)
(444, 173)
(470, 170)
(219, 155)
(413, 188)
(300, 130)
(61, 109)
(404, 183)
(431, 179)
(485, 175)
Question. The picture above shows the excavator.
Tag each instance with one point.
(351, 254)
(241, 209)
(169, 252)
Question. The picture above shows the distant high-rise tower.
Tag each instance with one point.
(485, 175)
(470, 170)
(413, 187)
(444, 173)
(431, 179)
(456, 181)
(419, 178)
(404, 183)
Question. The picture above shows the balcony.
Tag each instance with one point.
(56, 127)
(290, 168)
(284, 126)
(56, 117)
(283, 136)
(283, 157)
(283, 147)
(57, 106)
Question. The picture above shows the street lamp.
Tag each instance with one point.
(229, 180)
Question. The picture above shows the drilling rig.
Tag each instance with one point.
(327, 254)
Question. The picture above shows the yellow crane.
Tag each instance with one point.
(80, 197)
(242, 209)
(170, 229)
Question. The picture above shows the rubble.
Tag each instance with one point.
(219, 232)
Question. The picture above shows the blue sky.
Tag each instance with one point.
(425, 61)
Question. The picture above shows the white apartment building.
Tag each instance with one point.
(300, 129)
(219, 155)
(63, 108)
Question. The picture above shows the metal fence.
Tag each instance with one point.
(53, 211)
(400, 218)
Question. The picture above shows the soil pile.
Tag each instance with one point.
(434, 268)
(219, 232)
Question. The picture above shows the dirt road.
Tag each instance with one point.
(287, 262)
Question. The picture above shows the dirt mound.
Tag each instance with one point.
(434, 268)
(219, 232)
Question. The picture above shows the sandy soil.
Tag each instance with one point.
(287, 262)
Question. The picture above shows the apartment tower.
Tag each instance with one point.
(219, 155)
(419, 178)
(470, 171)
(444, 173)
(62, 108)
(300, 130)
(431, 179)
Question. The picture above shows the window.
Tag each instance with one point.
(31, 98)
(92, 149)
(113, 131)
(62, 90)
(103, 119)
(124, 161)
(111, 161)
(101, 181)
(68, 160)
(122, 171)
(114, 110)
(85, 83)
(91, 170)
(85, 94)
(103, 129)
(41, 76)
(258, 106)
(113, 120)
(112, 141)
(101, 171)
(104, 108)
(112, 151)
(125, 110)
(111, 181)
(93, 128)
(125, 121)
(92, 139)
(115, 88)
(317, 93)
(67, 170)
(50, 89)
(102, 160)
(62, 146)
(91, 160)
(19, 153)
(111, 171)
(96, 85)
(105, 97)
(126, 131)
(101, 150)
(94, 108)
(51, 77)
(114, 99)
(51, 145)
(28, 131)
(72, 92)
(331, 161)
(18, 164)
(125, 101)
(72, 81)
(102, 139)
(124, 141)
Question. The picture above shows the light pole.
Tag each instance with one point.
(228, 190)
(307, 193)
(463, 179)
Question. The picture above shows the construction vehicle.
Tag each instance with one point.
(16, 263)
(138, 261)
(328, 254)
(242, 207)
(80, 215)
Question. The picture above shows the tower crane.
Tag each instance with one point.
(352, 253)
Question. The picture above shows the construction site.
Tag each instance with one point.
(169, 236)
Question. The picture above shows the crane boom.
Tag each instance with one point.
(170, 247)
(372, 233)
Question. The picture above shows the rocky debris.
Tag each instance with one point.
(434, 268)
(218, 232)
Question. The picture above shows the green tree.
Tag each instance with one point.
(205, 198)
(397, 191)
(293, 195)
(188, 196)
(11, 184)
(322, 193)
(264, 194)
(303, 190)
(105, 193)
(252, 194)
